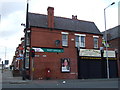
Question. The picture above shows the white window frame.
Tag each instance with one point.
(77, 44)
(80, 42)
(63, 44)
(82, 45)
(96, 37)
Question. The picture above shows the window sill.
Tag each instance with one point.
(65, 46)
(81, 47)
(96, 48)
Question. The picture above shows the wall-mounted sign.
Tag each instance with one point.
(65, 65)
(95, 53)
(44, 55)
(58, 50)
(90, 52)
(37, 55)
(110, 53)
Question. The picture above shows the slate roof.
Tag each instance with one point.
(113, 33)
(40, 20)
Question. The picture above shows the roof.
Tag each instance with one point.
(40, 20)
(113, 33)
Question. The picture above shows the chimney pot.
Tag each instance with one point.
(50, 8)
(74, 17)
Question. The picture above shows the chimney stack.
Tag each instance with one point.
(74, 17)
(50, 12)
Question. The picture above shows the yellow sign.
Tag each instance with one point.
(33, 69)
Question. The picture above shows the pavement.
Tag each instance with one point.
(8, 81)
(7, 77)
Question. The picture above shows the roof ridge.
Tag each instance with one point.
(63, 17)
(37, 13)
(113, 27)
(66, 24)
(74, 19)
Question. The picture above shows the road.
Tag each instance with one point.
(8, 81)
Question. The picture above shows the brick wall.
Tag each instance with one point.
(115, 43)
(46, 38)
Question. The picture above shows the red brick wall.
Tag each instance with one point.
(115, 43)
(46, 38)
(90, 41)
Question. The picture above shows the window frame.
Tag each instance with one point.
(65, 41)
(96, 44)
(80, 40)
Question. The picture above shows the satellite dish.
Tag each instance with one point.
(57, 42)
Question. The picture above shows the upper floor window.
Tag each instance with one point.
(64, 39)
(77, 41)
(80, 40)
(95, 41)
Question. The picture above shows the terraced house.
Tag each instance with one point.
(65, 48)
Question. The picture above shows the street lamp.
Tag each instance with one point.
(106, 39)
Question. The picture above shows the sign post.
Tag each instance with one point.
(32, 67)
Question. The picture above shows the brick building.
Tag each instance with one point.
(113, 36)
(56, 39)
(17, 63)
(64, 48)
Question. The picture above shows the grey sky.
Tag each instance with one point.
(13, 13)
(10, 7)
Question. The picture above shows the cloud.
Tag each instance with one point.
(13, 14)
(89, 10)
(10, 43)
(14, 21)
(119, 13)
(11, 7)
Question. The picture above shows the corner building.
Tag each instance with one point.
(56, 41)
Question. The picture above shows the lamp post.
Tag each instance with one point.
(106, 39)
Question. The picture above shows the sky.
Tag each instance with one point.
(13, 13)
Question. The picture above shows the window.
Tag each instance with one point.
(64, 39)
(77, 41)
(80, 40)
(95, 42)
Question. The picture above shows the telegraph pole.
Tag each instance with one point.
(25, 41)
